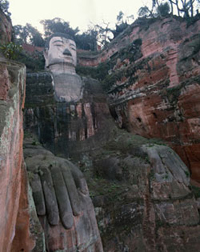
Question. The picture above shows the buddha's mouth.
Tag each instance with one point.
(68, 57)
(64, 62)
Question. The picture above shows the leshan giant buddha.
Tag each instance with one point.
(61, 59)
(80, 126)
(59, 189)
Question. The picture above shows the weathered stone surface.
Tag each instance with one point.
(156, 94)
(62, 202)
(5, 29)
(147, 198)
(15, 227)
(62, 126)
(14, 214)
(29, 234)
(68, 87)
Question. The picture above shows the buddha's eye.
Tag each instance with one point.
(58, 45)
(72, 46)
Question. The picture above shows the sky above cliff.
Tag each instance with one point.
(79, 13)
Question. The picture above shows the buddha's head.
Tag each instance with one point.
(60, 53)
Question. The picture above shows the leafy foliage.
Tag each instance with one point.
(163, 9)
(145, 12)
(184, 8)
(28, 34)
(119, 29)
(4, 6)
(11, 50)
(87, 40)
(52, 26)
(34, 62)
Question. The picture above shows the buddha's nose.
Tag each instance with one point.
(67, 52)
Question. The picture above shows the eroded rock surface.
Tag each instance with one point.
(160, 98)
(143, 199)
(153, 83)
(62, 201)
(5, 29)
(13, 183)
(67, 128)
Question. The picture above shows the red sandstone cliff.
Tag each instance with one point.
(155, 87)
(14, 204)
(12, 174)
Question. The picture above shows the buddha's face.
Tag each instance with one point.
(61, 50)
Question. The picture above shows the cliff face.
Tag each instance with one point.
(140, 189)
(15, 234)
(12, 77)
(154, 84)
(5, 29)
(142, 198)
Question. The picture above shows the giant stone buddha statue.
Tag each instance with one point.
(61, 59)
(59, 188)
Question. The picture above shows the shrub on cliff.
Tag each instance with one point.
(4, 5)
(11, 50)
(34, 62)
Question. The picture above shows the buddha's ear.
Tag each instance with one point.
(45, 54)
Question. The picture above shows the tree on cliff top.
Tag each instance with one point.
(58, 25)
(4, 6)
(86, 40)
(183, 8)
(28, 34)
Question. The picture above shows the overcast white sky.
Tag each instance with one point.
(77, 12)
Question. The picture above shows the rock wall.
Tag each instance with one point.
(12, 88)
(5, 28)
(153, 83)
(142, 198)
(15, 228)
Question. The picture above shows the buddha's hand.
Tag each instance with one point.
(59, 188)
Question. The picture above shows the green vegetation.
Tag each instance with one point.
(158, 8)
(104, 71)
(11, 50)
(4, 6)
(98, 72)
(173, 93)
(196, 191)
(28, 34)
(100, 186)
(34, 62)
(187, 174)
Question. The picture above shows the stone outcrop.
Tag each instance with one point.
(14, 211)
(142, 197)
(18, 219)
(153, 83)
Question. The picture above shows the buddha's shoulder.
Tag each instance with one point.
(92, 86)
